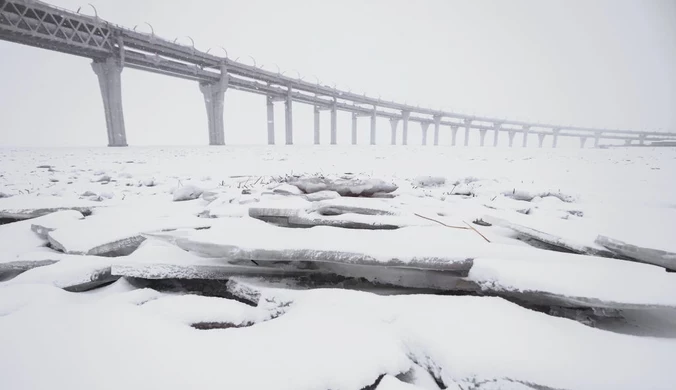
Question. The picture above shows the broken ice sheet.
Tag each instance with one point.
(109, 233)
(30, 206)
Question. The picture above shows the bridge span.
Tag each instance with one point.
(112, 47)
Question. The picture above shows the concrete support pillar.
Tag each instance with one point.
(627, 142)
(583, 140)
(482, 135)
(373, 127)
(597, 139)
(468, 123)
(641, 139)
(555, 140)
(437, 124)
(541, 139)
(424, 126)
(288, 118)
(109, 74)
(526, 130)
(334, 124)
(354, 128)
(404, 131)
(214, 95)
(496, 133)
(393, 124)
(454, 134)
(512, 133)
(271, 120)
(317, 125)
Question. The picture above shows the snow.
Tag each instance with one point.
(491, 339)
(187, 192)
(192, 309)
(126, 335)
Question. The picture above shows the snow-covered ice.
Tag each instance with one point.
(190, 217)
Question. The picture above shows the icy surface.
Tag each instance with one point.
(127, 335)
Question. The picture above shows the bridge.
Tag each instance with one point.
(112, 47)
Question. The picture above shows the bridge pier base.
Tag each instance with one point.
(454, 134)
(496, 134)
(317, 125)
(525, 136)
(271, 120)
(288, 118)
(404, 131)
(334, 124)
(482, 137)
(424, 126)
(393, 124)
(373, 127)
(437, 124)
(541, 139)
(597, 139)
(214, 95)
(354, 128)
(583, 140)
(555, 140)
(511, 138)
(467, 126)
(109, 72)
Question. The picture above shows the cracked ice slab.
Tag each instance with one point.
(23, 248)
(500, 268)
(658, 257)
(345, 186)
(546, 277)
(70, 272)
(112, 233)
(417, 247)
(576, 236)
(156, 259)
(29, 206)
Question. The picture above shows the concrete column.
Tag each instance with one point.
(437, 124)
(214, 94)
(271, 120)
(541, 139)
(334, 124)
(454, 134)
(512, 133)
(373, 127)
(317, 126)
(288, 117)
(393, 124)
(583, 140)
(354, 128)
(555, 140)
(641, 139)
(597, 138)
(496, 133)
(627, 142)
(424, 126)
(526, 130)
(468, 123)
(482, 136)
(109, 72)
(404, 132)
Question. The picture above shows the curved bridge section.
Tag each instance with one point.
(112, 47)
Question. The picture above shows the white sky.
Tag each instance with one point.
(602, 63)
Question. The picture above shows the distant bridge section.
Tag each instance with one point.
(113, 47)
